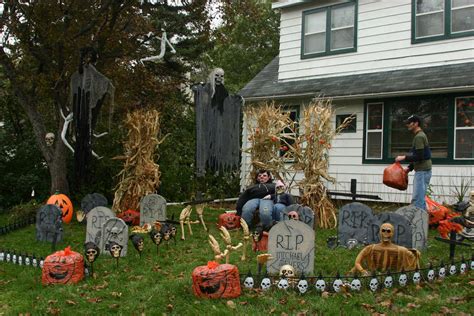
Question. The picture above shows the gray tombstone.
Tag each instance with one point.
(402, 235)
(291, 242)
(114, 230)
(305, 214)
(152, 208)
(90, 201)
(353, 222)
(49, 223)
(96, 218)
(419, 225)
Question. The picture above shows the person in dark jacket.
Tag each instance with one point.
(419, 158)
(280, 200)
(250, 200)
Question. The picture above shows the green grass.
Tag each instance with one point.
(161, 283)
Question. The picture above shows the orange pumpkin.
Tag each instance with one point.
(229, 221)
(216, 281)
(62, 267)
(64, 203)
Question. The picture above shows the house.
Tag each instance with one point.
(381, 60)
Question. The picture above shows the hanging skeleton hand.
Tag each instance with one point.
(246, 232)
(228, 241)
(200, 211)
(182, 217)
(217, 250)
(164, 42)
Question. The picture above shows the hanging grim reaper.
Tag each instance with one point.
(217, 125)
(88, 90)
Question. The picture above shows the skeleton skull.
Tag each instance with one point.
(49, 139)
(374, 284)
(472, 264)
(463, 268)
(442, 272)
(351, 243)
(8, 256)
(92, 251)
(218, 76)
(336, 285)
(27, 261)
(356, 285)
(248, 282)
(265, 284)
(452, 269)
(14, 258)
(386, 232)
(431, 275)
(20, 260)
(287, 271)
(293, 215)
(34, 262)
(302, 286)
(402, 279)
(283, 284)
(388, 282)
(416, 277)
(115, 249)
(41, 263)
(320, 285)
(2, 256)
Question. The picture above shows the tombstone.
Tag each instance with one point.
(49, 224)
(353, 222)
(96, 218)
(305, 214)
(152, 208)
(291, 242)
(114, 230)
(90, 201)
(402, 235)
(419, 225)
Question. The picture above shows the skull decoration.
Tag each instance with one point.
(287, 271)
(14, 258)
(156, 236)
(41, 262)
(416, 277)
(336, 285)
(472, 263)
(2, 255)
(356, 285)
(8, 257)
(320, 284)
(431, 274)
(374, 284)
(249, 282)
(20, 259)
(34, 262)
(265, 283)
(27, 260)
(302, 285)
(173, 231)
(92, 251)
(218, 76)
(137, 242)
(386, 233)
(49, 139)
(293, 215)
(442, 272)
(283, 284)
(403, 279)
(166, 232)
(115, 249)
(463, 268)
(388, 282)
(351, 243)
(452, 269)
(258, 233)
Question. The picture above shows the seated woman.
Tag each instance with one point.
(250, 200)
(280, 200)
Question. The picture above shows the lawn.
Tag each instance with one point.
(161, 283)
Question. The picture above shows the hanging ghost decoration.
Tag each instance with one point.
(217, 125)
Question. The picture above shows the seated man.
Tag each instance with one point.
(250, 200)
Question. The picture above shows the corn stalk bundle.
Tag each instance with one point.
(140, 174)
(311, 156)
(266, 126)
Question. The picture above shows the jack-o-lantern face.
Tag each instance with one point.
(229, 221)
(216, 281)
(63, 267)
(64, 203)
(131, 217)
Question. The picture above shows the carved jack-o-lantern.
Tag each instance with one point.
(64, 203)
(216, 281)
(64, 266)
(131, 217)
(229, 221)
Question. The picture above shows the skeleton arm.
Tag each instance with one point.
(246, 232)
(217, 251)
(164, 42)
(67, 120)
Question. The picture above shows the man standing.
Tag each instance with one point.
(420, 160)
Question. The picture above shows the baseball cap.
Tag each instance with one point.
(413, 118)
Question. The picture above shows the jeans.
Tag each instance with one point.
(420, 185)
(265, 211)
(277, 208)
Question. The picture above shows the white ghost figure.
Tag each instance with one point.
(265, 284)
(388, 282)
(356, 285)
(403, 279)
(374, 284)
(320, 285)
(302, 286)
(248, 282)
(283, 284)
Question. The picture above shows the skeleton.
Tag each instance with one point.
(228, 241)
(287, 271)
(184, 218)
(320, 285)
(374, 284)
(385, 255)
(302, 285)
(218, 254)
(356, 285)
(416, 277)
(92, 251)
(164, 42)
(249, 282)
(115, 250)
(245, 230)
(403, 279)
(49, 139)
(200, 211)
(388, 282)
(265, 284)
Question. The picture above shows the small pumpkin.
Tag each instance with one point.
(216, 280)
(64, 203)
(229, 220)
(62, 267)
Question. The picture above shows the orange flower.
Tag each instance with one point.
(212, 264)
(322, 141)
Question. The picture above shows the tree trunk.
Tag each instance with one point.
(58, 172)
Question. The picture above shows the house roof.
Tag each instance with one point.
(446, 78)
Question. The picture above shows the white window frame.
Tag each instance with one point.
(380, 130)
(459, 128)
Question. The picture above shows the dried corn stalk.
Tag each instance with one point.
(140, 174)
(311, 155)
(266, 126)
